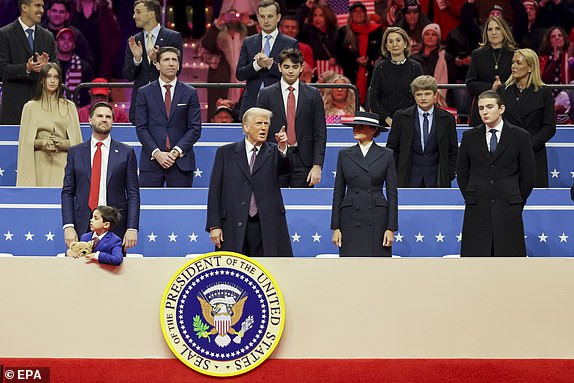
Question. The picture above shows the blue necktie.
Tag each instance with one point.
(267, 46)
(493, 141)
(425, 129)
(30, 33)
(267, 51)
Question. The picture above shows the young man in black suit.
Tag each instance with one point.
(496, 173)
(25, 47)
(423, 139)
(257, 60)
(142, 48)
(298, 107)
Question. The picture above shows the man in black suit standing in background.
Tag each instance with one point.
(496, 173)
(25, 47)
(298, 107)
(257, 65)
(142, 48)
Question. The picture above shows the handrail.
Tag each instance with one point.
(208, 85)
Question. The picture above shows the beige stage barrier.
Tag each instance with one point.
(336, 308)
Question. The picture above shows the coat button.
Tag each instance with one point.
(243, 204)
(492, 200)
(491, 166)
(239, 224)
(492, 182)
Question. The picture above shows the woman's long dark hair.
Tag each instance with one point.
(40, 90)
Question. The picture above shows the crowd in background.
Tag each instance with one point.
(91, 38)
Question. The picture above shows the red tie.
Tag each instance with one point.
(291, 133)
(167, 109)
(96, 177)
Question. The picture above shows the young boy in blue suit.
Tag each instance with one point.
(107, 248)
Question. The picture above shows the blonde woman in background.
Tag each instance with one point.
(49, 127)
(530, 105)
(339, 101)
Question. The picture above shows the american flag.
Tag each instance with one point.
(341, 9)
(323, 66)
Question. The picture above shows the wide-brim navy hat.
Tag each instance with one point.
(364, 118)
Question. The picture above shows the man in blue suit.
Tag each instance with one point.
(306, 128)
(142, 48)
(257, 60)
(168, 123)
(118, 184)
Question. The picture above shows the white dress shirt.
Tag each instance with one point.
(365, 148)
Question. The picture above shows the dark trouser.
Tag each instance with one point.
(253, 242)
(298, 176)
(172, 178)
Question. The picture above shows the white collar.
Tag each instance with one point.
(25, 27)
(272, 34)
(284, 86)
(162, 83)
(498, 127)
(106, 142)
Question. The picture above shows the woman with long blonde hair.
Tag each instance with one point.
(530, 105)
(49, 127)
(490, 63)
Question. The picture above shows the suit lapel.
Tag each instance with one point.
(512, 106)
(177, 96)
(263, 156)
(356, 155)
(482, 142)
(506, 137)
(438, 126)
(374, 153)
(241, 158)
(21, 36)
(112, 160)
(87, 159)
(300, 98)
(277, 45)
(278, 95)
(102, 243)
(157, 95)
(416, 135)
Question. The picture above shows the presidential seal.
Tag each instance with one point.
(222, 314)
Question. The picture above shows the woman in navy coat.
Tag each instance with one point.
(363, 220)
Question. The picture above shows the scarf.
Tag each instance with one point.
(441, 75)
(231, 46)
(362, 31)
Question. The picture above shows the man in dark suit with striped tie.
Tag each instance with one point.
(25, 47)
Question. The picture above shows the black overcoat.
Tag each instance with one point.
(230, 188)
(534, 112)
(495, 189)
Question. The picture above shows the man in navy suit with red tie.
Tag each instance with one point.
(168, 123)
(101, 171)
(142, 48)
(257, 63)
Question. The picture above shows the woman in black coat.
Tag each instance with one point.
(489, 62)
(391, 83)
(530, 105)
(362, 219)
